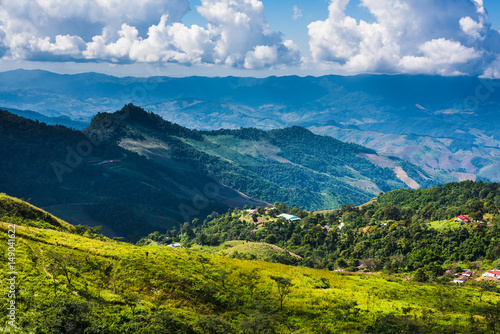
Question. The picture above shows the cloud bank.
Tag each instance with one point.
(122, 31)
(444, 37)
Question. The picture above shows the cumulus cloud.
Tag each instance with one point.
(237, 33)
(439, 56)
(446, 37)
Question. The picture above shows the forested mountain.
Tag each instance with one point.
(134, 172)
(69, 279)
(400, 232)
(96, 183)
(291, 165)
(449, 124)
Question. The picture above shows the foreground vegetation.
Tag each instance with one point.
(71, 280)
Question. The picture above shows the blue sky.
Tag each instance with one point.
(252, 37)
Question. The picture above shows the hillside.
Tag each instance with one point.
(447, 124)
(289, 165)
(94, 183)
(400, 232)
(74, 283)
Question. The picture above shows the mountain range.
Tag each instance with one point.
(133, 172)
(448, 124)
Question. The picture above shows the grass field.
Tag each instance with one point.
(444, 224)
(116, 287)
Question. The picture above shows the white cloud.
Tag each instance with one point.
(261, 56)
(439, 56)
(30, 25)
(297, 12)
(144, 31)
(64, 45)
(446, 37)
(472, 28)
(239, 30)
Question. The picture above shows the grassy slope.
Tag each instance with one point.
(127, 283)
(256, 250)
(13, 210)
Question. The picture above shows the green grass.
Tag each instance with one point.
(116, 287)
(244, 249)
(445, 224)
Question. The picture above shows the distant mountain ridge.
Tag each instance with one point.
(439, 123)
(134, 172)
(60, 120)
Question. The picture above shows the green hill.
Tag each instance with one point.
(71, 283)
(133, 172)
(400, 232)
(240, 249)
(288, 165)
(61, 169)
(13, 210)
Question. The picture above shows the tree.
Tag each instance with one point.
(476, 216)
(420, 276)
(491, 314)
(428, 211)
(214, 325)
(284, 287)
(251, 279)
(341, 263)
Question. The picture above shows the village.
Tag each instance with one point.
(491, 275)
(261, 215)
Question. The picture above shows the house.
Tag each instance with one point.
(361, 267)
(174, 245)
(328, 228)
(251, 211)
(448, 273)
(288, 217)
(467, 273)
(463, 219)
(460, 280)
(492, 274)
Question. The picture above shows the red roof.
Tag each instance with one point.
(494, 272)
(463, 217)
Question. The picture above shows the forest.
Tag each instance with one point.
(397, 233)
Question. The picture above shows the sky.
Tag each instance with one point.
(252, 37)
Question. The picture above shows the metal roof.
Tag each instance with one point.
(289, 217)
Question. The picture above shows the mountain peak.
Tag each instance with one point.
(109, 127)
